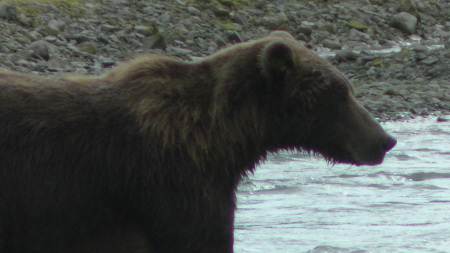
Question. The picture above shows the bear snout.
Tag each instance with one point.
(388, 143)
(374, 154)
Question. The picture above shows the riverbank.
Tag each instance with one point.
(397, 53)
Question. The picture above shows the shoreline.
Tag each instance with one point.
(88, 37)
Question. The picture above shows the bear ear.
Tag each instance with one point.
(281, 34)
(277, 61)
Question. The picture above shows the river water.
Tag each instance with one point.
(295, 203)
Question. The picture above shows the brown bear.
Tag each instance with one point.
(147, 157)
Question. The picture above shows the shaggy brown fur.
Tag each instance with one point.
(147, 157)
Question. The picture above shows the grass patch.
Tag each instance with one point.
(56, 2)
(29, 8)
(357, 25)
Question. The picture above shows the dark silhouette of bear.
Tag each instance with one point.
(147, 157)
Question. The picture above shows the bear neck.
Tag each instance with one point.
(201, 113)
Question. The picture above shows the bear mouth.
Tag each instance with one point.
(353, 156)
(368, 156)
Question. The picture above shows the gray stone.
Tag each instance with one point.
(194, 11)
(51, 39)
(108, 63)
(13, 57)
(346, 55)
(156, 41)
(57, 24)
(110, 28)
(305, 29)
(204, 45)
(302, 37)
(180, 2)
(430, 60)
(39, 49)
(120, 2)
(443, 119)
(419, 48)
(234, 37)
(8, 12)
(220, 41)
(81, 37)
(88, 47)
(220, 12)
(180, 51)
(144, 30)
(356, 35)
(331, 44)
(404, 22)
(328, 28)
(447, 44)
(49, 30)
(239, 18)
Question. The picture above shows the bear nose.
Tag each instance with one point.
(389, 143)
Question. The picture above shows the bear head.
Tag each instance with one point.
(319, 102)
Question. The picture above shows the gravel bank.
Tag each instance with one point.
(397, 53)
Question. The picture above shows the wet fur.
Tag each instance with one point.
(147, 157)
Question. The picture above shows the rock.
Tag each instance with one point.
(179, 51)
(302, 37)
(371, 71)
(194, 11)
(57, 25)
(81, 37)
(218, 11)
(269, 23)
(346, 55)
(49, 30)
(88, 47)
(39, 50)
(125, 3)
(328, 28)
(447, 44)
(14, 58)
(219, 41)
(408, 6)
(144, 30)
(305, 29)
(404, 22)
(430, 60)
(274, 22)
(228, 3)
(392, 92)
(180, 2)
(356, 35)
(110, 28)
(443, 119)
(156, 41)
(8, 12)
(55, 64)
(204, 45)
(239, 17)
(51, 39)
(234, 37)
(331, 44)
(189, 28)
(419, 48)
(108, 63)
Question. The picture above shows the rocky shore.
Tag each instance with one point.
(397, 53)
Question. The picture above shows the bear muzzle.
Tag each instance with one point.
(389, 142)
(374, 154)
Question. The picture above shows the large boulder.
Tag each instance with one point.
(404, 22)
